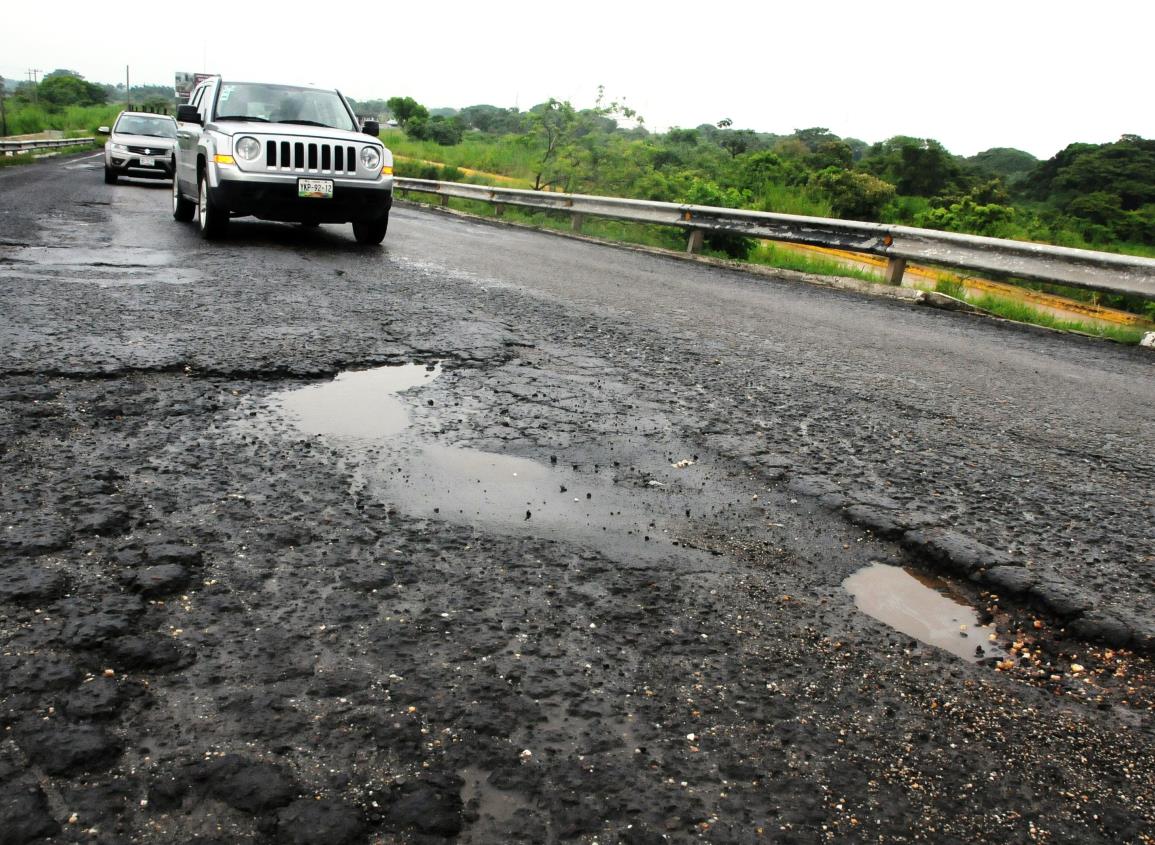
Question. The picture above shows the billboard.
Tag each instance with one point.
(184, 82)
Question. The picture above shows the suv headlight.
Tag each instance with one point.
(119, 148)
(370, 158)
(247, 149)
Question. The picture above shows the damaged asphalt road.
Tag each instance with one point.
(580, 579)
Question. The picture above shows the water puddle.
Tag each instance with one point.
(505, 493)
(356, 405)
(923, 607)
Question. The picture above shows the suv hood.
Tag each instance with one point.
(142, 140)
(290, 130)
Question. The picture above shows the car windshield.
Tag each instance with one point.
(283, 104)
(138, 124)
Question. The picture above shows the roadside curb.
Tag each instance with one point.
(939, 547)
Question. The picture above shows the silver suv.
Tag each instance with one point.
(139, 144)
(279, 152)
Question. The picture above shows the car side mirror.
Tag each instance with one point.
(102, 130)
(371, 127)
(187, 114)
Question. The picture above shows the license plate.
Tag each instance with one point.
(147, 161)
(315, 188)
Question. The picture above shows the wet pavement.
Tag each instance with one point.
(286, 554)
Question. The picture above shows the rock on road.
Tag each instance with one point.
(583, 583)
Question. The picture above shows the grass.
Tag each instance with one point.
(30, 119)
(770, 255)
(1022, 313)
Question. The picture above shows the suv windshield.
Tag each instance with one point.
(283, 104)
(136, 124)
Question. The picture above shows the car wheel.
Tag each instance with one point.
(212, 219)
(182, 209)
(371, 231)
(109, 175)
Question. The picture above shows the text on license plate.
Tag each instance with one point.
(147, 161)
(315, 188)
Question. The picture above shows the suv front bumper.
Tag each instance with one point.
(276, 198)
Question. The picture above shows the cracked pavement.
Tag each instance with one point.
(218, 627)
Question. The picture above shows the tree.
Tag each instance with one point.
(446, 131)
(853, 194)
(491, 119)
(60, 91)
(738, 141)
(405, 109)
(919, 167)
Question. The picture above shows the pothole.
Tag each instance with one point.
(361, 412)
(923, 607)
(356, 405)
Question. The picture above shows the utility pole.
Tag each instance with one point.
(32, 74)
(127, 90)
(3, 115)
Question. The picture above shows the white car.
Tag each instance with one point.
(139, 144)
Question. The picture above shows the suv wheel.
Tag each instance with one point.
(213, 220)
(109, 175)
(182, 209)
(371, 231)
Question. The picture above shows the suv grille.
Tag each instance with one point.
(148, 151)
(298, 156)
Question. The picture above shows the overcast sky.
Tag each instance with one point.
(1013, 73)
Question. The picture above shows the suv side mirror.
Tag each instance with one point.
(102, 130)
(371, 127)
(187, 114)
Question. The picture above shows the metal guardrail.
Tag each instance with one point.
(1101, 271)
(10, 147)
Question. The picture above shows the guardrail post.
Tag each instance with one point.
(499, 209)
(694, 244)
(443, 199)
(575, 222)
(895, 267)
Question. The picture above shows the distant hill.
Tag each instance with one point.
(1007, 163)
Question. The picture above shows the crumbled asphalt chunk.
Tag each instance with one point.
(1101, 627)
(37, 673)
(431, 805)
(954, 550)
(24, 814)
(1012, 580)
(1061, 597)
(813, 485)
(162, 580)
(309, 821)
(64, 749)
(100, 698)
(37, 535)
(31, 584)
(173, 553)
(252, 786)
(103, 520)
(148, 652)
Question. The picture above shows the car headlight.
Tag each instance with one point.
(247, 149)
(119, 148)
(370, 158)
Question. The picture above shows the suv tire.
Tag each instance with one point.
(371, 232)
(212, 220)
(109, 175)
(182, 209)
